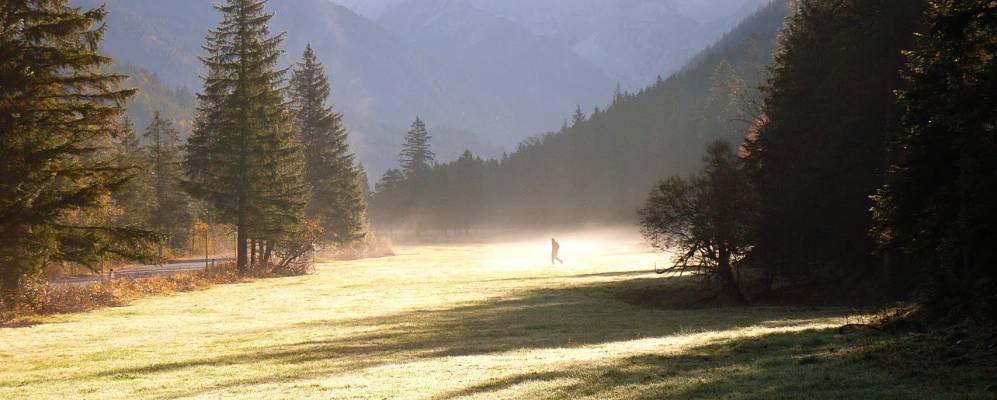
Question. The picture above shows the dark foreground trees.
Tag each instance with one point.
(58, 115)
(937, 212)
(243, 158)
(706, 219)
(830, 112)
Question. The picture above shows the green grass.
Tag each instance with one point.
(489, 321)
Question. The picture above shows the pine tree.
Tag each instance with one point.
(578, 117)
(936, 211)
(171, 208)
(243, 158)
(135, 197)
(388, 201)
(725, 104)
(830, 109)
(59, 114)
(364, 182)
(416, 158)
(391, 180)
(337, 199)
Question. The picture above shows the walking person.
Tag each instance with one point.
(554, 247)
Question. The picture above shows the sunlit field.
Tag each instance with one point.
(489, 321)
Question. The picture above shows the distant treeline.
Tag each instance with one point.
(598, 167)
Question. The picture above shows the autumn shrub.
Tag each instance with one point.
(37, 296)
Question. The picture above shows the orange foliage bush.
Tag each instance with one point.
(39, 297)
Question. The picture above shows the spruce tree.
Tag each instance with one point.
(364, 182)
(243, 158)
(136, 196)
(389, 201)
(578, 117)
(59, 116)
(391, 180)
(725, 104)
(936, 212)
(171, 208)
(829, 109)
(416, 158)
(337, 199)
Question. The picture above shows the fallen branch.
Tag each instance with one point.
(845, 327)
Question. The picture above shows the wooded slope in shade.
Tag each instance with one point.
(599, 167)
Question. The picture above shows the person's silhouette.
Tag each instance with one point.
(554, 247)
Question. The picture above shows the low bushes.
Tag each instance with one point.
(38, 297)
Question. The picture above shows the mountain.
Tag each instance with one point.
(483, 74)
(380, 82)
(601, 167)
(175, 104)
(630, 41)
(537, 77)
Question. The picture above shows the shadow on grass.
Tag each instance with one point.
(563, 317)
(814, 364)
(579, 276)
(811, 364)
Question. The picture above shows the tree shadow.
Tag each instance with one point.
(812, 364)
(562, 317)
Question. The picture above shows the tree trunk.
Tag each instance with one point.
(241, 247)
(268, 246)
(252, 253)
(9, 281)
(730, 293)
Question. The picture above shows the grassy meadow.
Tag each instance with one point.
(475, 321)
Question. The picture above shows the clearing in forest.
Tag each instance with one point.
(447, 322)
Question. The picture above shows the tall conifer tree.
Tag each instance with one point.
(135, 197)
(243, 158)
(337, 198)
(59, 113)
(937, 206)
(829, 109)
(171, 209)
(416, 157)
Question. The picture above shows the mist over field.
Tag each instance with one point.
(498, 199)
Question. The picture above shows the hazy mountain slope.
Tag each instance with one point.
(175, 104)
(601, 169)
(539, 76)
(631, 41)
(372, 9)
(380, 82)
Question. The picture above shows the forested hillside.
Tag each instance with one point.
(600, 165)
(481, 80)
(379, 81)
(154, 96)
